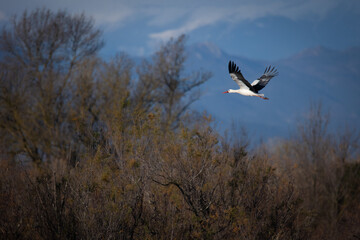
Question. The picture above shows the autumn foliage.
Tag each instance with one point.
(105, 149)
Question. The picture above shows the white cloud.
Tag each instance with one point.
(160, 17)
(237, 11)
(197, 20)
(188, 15)
(113, 18)
(104, 12)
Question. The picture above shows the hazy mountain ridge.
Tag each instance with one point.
(315, 74)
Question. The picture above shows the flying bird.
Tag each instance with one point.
(246, 88)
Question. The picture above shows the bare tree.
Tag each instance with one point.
(39, 55)
(165, 82)
(43, 40)
(319, 160)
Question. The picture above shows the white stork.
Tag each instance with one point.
(246, 88)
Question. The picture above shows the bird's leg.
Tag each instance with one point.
(265, 98)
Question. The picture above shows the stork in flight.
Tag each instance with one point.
(246, 88)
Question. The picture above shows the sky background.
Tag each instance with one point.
(256, 29)
(315, 44)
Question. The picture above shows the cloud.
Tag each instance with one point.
(187, 15)
(104, 12)
(162, 11)
(112, 18)
(237, 11)
(197, 20)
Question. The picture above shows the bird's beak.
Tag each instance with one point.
(226, 92)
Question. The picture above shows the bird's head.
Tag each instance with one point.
(226, 91)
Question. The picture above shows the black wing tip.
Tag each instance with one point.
(233, 68)
(273, 71)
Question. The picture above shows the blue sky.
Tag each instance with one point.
(257, 29)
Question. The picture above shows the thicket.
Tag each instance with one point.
(95, 149)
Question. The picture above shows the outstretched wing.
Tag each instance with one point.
(237, 76)
(261, 82)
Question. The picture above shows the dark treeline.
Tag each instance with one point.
(95, 149)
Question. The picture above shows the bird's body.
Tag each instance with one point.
(246, 88)
(244, 91)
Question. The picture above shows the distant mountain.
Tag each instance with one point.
(315, 74)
